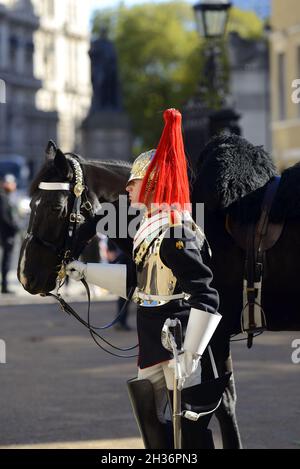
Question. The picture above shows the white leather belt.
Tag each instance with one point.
(145, 297)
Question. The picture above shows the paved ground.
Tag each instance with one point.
(58, 390)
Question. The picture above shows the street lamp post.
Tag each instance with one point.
(211, 20)
(201, 114)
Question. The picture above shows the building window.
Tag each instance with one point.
(282, 86)
(2, 39)
(49, 58)
(72, 11)
(298, 72)
(50, 8)
(29, 51)
(73, 57)
(14, 44)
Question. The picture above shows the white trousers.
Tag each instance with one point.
(162, 378)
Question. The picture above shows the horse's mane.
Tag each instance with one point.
(48, 170)
(118, 163)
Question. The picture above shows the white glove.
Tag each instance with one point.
(188, 363)
(76, 270)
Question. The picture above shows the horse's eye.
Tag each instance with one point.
(56, 208)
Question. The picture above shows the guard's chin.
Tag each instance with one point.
(137, 205)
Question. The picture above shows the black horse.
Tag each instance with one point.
(240, 174)
(105, 181)
(50, 216)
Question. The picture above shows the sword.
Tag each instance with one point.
(171, 331)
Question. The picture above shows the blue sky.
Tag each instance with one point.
(260, 6)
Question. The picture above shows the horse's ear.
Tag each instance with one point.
(61, 163)
(50, 151)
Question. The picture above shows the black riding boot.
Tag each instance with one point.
(201, 398)
(196, 435)
(154, 433)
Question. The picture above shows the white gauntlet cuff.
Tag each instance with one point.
(200, 329)
(111, 277)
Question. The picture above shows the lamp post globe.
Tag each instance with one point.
(212, 17)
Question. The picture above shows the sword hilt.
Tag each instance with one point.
(171, 338)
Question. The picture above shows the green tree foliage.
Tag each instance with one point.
(160, 67)
(246, 23)
(160, 59)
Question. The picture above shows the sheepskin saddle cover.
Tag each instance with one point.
(229, 169)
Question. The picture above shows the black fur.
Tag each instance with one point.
(233, 175)
(229, 169)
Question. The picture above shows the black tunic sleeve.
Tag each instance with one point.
(180, 251)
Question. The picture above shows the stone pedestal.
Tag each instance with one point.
(106, 135)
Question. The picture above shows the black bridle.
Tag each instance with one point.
(66, 254)
(82, 209)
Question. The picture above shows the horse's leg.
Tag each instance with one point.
(226, 412)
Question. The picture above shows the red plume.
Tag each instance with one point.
(166, 177)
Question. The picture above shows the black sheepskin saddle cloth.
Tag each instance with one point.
(233, 174)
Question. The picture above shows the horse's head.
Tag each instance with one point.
(59, 203)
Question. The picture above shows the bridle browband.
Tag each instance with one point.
(55, 186)
(67, 253)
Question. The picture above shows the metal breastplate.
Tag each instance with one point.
(154, 278)
(156, 282)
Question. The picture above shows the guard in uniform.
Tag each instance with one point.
(173, 281)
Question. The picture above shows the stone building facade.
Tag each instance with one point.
(23, 127)
(45, 67)
(62, 63)
(285, 69)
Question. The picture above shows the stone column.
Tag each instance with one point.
(20, 53)
(4, 44)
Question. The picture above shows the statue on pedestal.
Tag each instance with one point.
(106, 131)
(104, 68)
